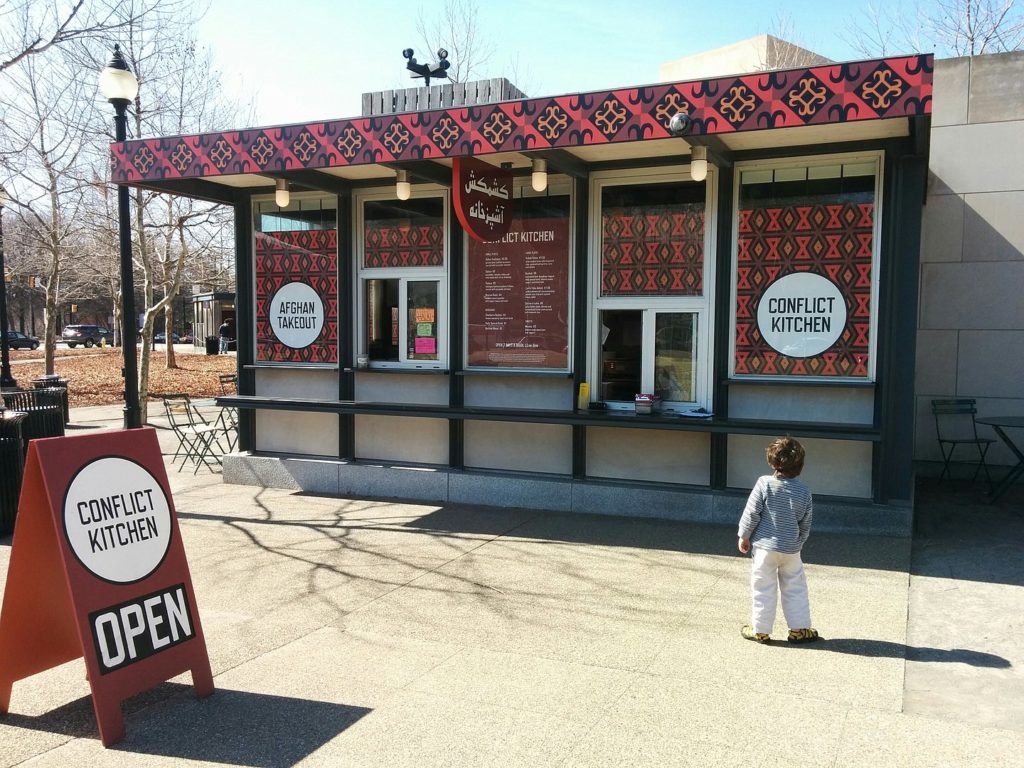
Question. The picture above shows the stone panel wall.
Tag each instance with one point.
(971, 324)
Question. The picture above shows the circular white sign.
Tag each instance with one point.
(296, 315)
(117, 520)
(801, 314)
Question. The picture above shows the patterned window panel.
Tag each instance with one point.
(307, 256)
(390, 243)
(831, 236)
(653, 250)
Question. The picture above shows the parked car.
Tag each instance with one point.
(161, 338)
(86, 335)
(18, 340)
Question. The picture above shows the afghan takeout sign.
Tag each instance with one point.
(98, 569)
(483, 198)
(297, 315)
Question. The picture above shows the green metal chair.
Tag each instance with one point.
(955, 425)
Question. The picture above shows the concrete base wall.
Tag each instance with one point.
(535, 491)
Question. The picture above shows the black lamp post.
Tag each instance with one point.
(6, 380)
(119, 86)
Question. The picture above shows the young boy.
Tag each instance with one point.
(776, 522)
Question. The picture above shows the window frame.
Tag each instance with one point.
(811, 161)
(404, 275)
(703, 306)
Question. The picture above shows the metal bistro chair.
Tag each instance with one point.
(955, 425)
(196, 438)
(228, 383)
(223, 425)
(229, 416)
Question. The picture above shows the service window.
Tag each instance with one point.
(805, 277)
(652, 280)
(403, 249)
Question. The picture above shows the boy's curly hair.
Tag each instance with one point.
(786, 456)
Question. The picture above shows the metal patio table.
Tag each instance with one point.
(999, 423)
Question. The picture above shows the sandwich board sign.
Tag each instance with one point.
(97, 569)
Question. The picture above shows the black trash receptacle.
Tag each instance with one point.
(11, 471)
(54, 381)
(212, 345)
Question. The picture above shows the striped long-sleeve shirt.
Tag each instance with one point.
(778, 514)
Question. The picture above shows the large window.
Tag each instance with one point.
(402, 274)
(296, 271)
(652, 280)
(805, 277)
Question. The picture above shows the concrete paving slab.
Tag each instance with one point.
(371, 633)
(748, 718)
(627, 748)
(571, 691)
(418, 730)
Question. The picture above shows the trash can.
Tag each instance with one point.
(12, 467)
(54, 381)
(212, 345)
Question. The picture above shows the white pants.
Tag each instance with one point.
(770, 571)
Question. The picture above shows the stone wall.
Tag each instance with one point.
(970, 339)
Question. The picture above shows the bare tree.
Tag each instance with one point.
(947, 27)
(30, 27)
(42, 141)
(456, 29)
(179, 92)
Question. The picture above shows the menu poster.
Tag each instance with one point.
(518, 308)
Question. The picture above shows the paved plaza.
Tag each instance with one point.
(353, 632)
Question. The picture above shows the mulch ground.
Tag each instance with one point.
(94, 375)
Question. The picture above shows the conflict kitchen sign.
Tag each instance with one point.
(518, 297)
(483, 198)
(297, 296)
(98, 570)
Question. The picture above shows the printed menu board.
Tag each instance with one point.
(518, 308)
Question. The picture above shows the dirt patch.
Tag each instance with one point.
(94, 375)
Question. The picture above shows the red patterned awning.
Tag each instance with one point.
(831, 94)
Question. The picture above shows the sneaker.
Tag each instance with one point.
(758, 637)
(806, 635)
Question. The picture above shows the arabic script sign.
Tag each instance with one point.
(483, 198)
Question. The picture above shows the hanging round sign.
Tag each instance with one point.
(117, 520)
(297, 315)
(801, 314)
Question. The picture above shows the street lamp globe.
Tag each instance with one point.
(117, 83)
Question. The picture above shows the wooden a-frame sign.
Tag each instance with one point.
(98, 569)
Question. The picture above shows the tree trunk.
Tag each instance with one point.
(168, 331)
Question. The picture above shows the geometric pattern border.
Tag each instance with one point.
(829, 94)
(653, 250)
(389, 243)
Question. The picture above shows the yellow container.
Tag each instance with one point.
(583, 400)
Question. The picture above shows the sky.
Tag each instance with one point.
(306, 60)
